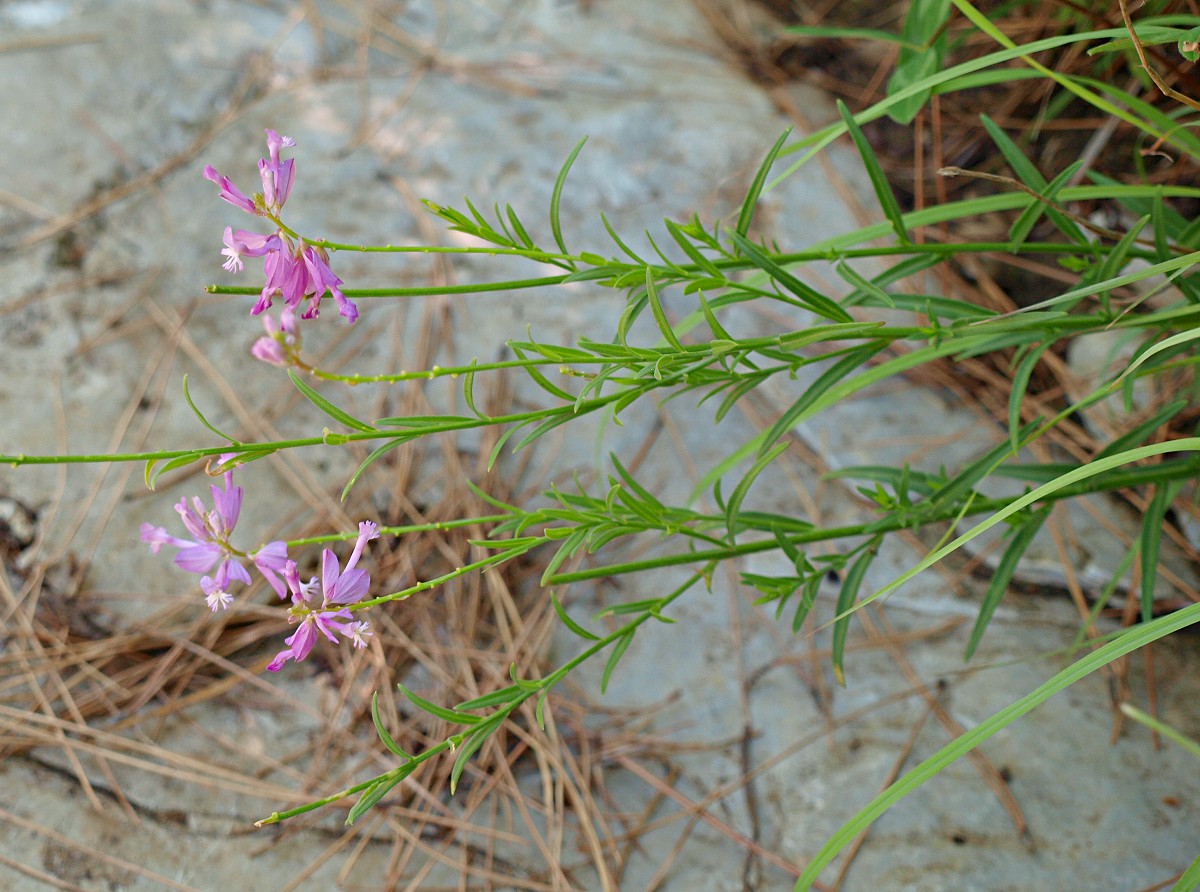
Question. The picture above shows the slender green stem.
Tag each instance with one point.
(1185, 469)
(451, 743)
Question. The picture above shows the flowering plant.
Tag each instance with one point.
(836, 344)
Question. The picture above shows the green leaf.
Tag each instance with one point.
(660, 314)
(1002, 576)
(377, 453)
(383, 733)
(441, 712)
(847, 33)
(883, 191)
(846, 599)
(920, 57)
(224, 436)
(693, 253)
(473, 742)
(1143, 430)
(1020, 385)
(1024, 224)
(827, 379)
(618, 651)
(808, 597)
(1151, 541)
(495, 698)
(808, 296)
(1190, 880)
(556, 196)
(756, 186)
(1028, 174)
(570, 623)
(739, 492)
(374, 793)
(329, 408)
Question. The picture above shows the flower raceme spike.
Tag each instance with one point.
(210, 546)
(324, 608)
(294, 269)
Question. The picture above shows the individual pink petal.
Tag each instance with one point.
(230, 192)
(350, 588)
(271, 560)
(215, 594)
(199, 557)
(157, 537)
(301, 641)
(367, 530)
(329, 571)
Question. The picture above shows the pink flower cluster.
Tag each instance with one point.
(294, 269)
(210, 546)
(324, 608)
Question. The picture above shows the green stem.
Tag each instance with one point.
(1154, 474)
(520, 696)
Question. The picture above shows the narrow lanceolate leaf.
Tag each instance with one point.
(1151, 541)
(756, 187)
(660, 314)
(883, 191)
(1190, 880)
(1143, 430)
(739, 493)
(556, 196)
(846, 599)
(377, 453)
(373, 794)
(808, 296)
(618, 651)
(200, 415)
(473, 742)
(449, 715)
(920, 57)
(1128, 641)
(383, 733)
(1020, 385)
(327, 407)
(1003, 576)
(570, 623)
(1028, 174)
(1028, 219)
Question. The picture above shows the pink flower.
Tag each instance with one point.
(210, 547)
(338, 589)
(281, 344)
(293, 271)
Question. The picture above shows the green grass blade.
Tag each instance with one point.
(1190, 881)
(1151, 539)
(1137, 637)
